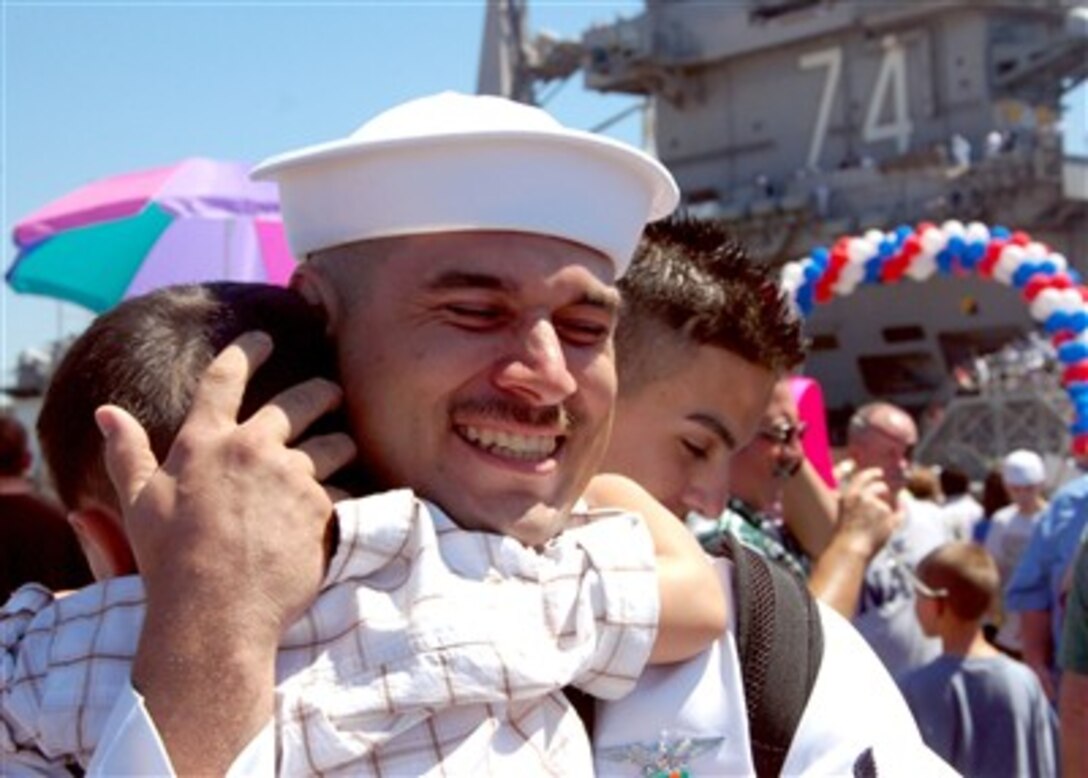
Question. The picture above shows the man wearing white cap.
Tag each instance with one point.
(464, 251)
(1023, 475)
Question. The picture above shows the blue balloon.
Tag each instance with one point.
(976, 250)
(903, 231)
(812, 271)
(956, 245)
(1078, 321)
(1000, 232)
(1073, 351)
(1056, 322)
(1074, 275)
(821, 256)
(805, 298)
(872, 270)
(1048, 267)
(1078, 391)
(1079, 426)
(944, 261)
(1023, 274)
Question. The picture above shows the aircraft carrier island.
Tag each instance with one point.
(800, 121)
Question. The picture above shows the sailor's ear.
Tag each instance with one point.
(104, 542)
(317, 289)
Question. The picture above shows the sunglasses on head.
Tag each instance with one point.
(922, 588)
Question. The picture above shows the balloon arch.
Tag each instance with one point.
(1053, 291)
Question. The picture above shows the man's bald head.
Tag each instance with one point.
(883, 435)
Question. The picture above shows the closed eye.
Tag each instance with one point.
(698, 452)
(583, 333)
(475, 316)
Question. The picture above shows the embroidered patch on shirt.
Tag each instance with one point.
(669, 757)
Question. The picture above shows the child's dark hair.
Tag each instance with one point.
(147, 355)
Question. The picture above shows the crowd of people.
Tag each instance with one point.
(513, 478)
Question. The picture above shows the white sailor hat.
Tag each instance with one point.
(453, 163)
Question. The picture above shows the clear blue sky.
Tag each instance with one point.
(89, 89)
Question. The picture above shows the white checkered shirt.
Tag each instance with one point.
(430, 649)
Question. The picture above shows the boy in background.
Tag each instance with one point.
(985, 713)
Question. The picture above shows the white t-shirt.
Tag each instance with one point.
(1010, 532)
(886, 617)
(961, 514)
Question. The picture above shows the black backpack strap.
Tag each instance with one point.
(780, 642)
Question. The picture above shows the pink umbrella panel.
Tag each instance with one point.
(198, 220)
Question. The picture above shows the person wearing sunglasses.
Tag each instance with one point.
(779, 505)
(758, 474)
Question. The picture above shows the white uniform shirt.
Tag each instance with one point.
(427, 644)
(689, 718)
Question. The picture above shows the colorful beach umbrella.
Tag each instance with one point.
(197, 220)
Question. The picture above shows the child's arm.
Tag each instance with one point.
(693, 609)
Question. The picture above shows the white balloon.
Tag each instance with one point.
(1044, 304)
(1036, 251)
(873, 237)
(845, 285)
(932, 240)
(922, 267)
(1012, 256)
(854, 273)
(1069, 300)
(977, 231)
(859, 251)
(793, 273)
(1061, 264)
(953, 229)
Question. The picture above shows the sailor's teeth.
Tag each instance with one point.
(512, 445)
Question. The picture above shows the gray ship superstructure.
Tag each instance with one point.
(799, 121)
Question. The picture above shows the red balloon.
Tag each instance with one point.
(1083, 290)
(893, 269)
(1061, 336)
(993, 253)
(1061, 281)
(1078, 371)
(1080, 445)
(1036, 284)
(1020, 238)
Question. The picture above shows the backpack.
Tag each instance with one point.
(780, 642)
